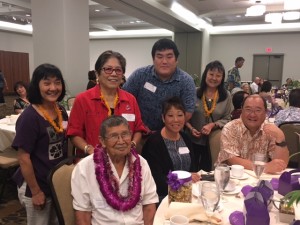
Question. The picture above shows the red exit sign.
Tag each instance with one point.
(268, 50)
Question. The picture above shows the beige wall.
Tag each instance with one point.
(227, 47)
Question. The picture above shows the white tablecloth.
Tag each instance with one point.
(233, 203)
(7, 134)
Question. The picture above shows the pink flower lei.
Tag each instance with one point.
(109, 185)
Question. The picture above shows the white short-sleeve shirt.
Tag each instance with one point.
(88, 197)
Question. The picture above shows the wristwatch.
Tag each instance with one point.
(281, 144)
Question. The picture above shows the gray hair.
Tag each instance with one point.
(112, 121)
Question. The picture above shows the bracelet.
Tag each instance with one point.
(86, 148)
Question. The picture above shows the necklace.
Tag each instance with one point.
(59, 128)
(109, 185)
(106, 103)
(207, 111)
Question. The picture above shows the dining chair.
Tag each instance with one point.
(70, 102)
(59, 181)
(291, 130)
(214, 145)
(8, 164)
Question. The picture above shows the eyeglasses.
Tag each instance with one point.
(109, 70)
(115, 137)
(255, 111)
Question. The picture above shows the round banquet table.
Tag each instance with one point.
(234, 201)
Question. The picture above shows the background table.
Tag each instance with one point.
(7, 134)
(233, 203)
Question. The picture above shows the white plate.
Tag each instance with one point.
(244, 177)
(235, 191)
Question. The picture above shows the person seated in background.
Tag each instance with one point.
(169, 149)
(92, 80)
(243, 137)
(22, 101)
(265, 92)
(288, 84)
(292, 113)
(114, 185)
(254, 85)
(105, 99)
(246, 88)
(237, 101)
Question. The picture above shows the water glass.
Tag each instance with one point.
(222, 176)
(259, 161)
(210, 197)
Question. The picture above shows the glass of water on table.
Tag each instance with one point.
(259, 161)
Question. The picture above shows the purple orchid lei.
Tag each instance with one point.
(109, 185)
(174, 182)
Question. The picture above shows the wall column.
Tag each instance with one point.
(61, 37)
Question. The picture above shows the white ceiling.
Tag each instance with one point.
(147, 14)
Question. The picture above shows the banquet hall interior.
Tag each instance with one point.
(71, 35)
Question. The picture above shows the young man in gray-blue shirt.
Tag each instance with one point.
(152, 84)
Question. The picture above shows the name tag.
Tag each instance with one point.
(184, 150)
(150, 87)
(129, 117)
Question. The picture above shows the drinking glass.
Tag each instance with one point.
(210, 197)
(222, 176)
(259, 161)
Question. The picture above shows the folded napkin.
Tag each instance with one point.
(193, 211)
(264, 176)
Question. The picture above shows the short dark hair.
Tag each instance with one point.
(112, 121)
(44, 71)
(266, 86)
(172, 102)
(20, 84)
(92, 75)
(238, 98)
(294, 97)
(105, 56)
(221, 89)
(164, 44)
(255, 96)
(238, 59)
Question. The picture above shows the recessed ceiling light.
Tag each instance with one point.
(131, 22)
(28, 15)
(256, 10)
(274, 18)
(238, 16)
(292, 15)
(97, 10)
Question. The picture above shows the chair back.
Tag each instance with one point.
(70, 102)
(291, 131)
(214, 145)
(60, 184)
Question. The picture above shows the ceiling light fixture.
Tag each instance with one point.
(28, 15)
(256, 10)
(291, 4)
(292, 15)
(97, 10)
(274, 18)
(184, 13)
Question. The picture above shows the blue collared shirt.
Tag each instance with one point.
(150, 91)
